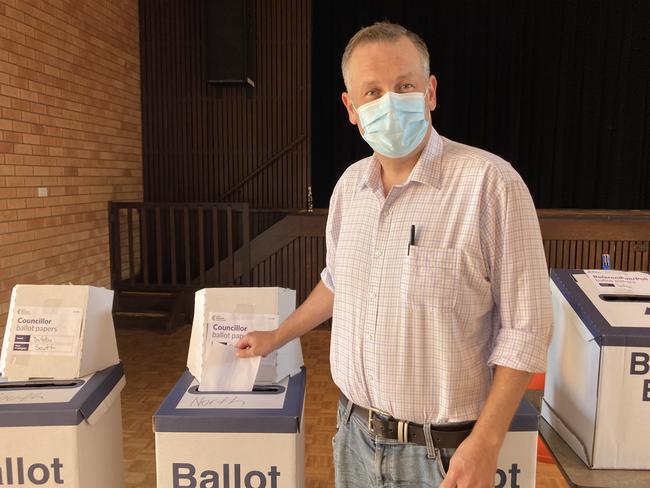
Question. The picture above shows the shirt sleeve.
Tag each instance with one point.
(331, 237)
(519, 277)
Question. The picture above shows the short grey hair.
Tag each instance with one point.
(383, 32)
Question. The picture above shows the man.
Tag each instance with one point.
(436, 281)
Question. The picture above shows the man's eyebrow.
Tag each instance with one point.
(406, 76)
(373, 83)
(366, 84)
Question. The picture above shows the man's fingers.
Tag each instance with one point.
(245, 353)
(243, 342)
(254, 344)
(450, 479)
(249, 346)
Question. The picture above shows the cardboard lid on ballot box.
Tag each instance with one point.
(225, 314)
(525, 419)
(58, 332)
(613, 319)
(276, 409)
(59, 402)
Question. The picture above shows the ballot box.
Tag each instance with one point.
(62, 432)
(231, 439)
(517, 463)
(597, 391)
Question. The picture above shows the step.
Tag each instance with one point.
(142, 319)
(131, 301)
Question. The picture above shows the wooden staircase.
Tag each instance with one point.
(171, 307)
(155, 309)
(161, 253)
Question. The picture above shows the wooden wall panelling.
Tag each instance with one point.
(210, 143)
(586, 254)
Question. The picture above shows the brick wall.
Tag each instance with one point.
(70, 136)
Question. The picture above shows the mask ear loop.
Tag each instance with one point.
(358, 116)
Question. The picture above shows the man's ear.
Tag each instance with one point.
(352, 113)
(431, 95)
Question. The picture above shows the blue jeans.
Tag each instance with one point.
(363, 461)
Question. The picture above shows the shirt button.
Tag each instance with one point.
(372, 294)
(369, 337)
(377, 253)
(370, 377)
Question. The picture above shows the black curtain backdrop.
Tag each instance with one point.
(559, 88)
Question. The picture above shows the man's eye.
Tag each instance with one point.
(407, 86)
(370, 93)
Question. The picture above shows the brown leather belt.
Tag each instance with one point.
(387, 427)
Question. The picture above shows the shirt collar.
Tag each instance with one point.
(426, 170)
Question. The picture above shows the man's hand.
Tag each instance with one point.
(473, 465)
(258, 343)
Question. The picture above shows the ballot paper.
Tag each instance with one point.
(615, 281)
(224, 371)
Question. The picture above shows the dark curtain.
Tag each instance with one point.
(559, 88)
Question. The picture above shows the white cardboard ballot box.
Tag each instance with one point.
(517, 463)
(597, 391)
(226, 314)
(58, 332)
(224, 439)
(62, 433)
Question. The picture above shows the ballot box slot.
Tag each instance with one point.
(32, 385)
(626, 298)
(257, 390)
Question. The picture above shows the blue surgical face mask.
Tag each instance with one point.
(395, 124)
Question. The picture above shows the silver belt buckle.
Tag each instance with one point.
(402, 425)
(370, 413)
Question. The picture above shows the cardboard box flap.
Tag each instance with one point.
(104, 407)
(103, 384)
(560, 426)
(99, 345)
(197, 336)
(42, 403)
(172, 417)
(525, 419)
(577, 292)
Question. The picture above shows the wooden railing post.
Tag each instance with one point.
(159, 267)
(114, 243)
(129, 236)
(215, 245)
(246, 246)
(186, 245)
(144, 245)
(200, 234)
(230, 245)
(172, 243)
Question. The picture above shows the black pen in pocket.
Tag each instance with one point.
(411, 240)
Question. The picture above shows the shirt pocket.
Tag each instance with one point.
(430, 277)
